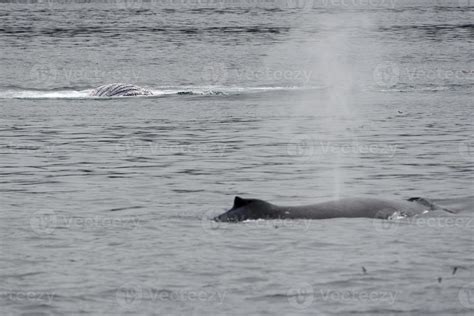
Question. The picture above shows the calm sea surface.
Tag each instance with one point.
(105, 204)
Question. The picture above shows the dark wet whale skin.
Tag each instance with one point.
(245, 209)
(120, 90)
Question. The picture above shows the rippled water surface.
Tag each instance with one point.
(106, 203)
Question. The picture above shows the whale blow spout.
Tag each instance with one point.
(120, 90)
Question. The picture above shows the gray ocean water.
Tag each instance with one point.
(105, 203)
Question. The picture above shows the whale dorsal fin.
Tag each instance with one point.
(423, 202)
(239, 202)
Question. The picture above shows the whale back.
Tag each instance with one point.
(357, 207)
(244, 209)
(120, 90)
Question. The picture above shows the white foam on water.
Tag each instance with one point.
(38, 94)
(397, 216)
(159, 91)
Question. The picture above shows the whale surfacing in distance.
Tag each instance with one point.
(120, 90)
(245, 209)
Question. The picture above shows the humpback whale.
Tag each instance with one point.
(119, 90)
(244, 209)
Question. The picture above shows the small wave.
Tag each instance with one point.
(157, 92)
